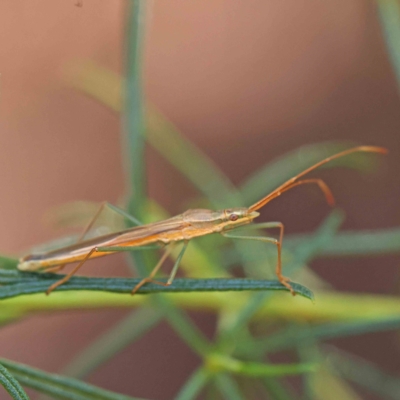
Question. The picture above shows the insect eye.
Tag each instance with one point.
(233, 217)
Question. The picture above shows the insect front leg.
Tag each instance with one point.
(174, 270)
(278, 243)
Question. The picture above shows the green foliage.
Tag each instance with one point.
(57, 386)
(11, 385)
(256, 321)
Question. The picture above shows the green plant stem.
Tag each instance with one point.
(218, 363)
(133, 113)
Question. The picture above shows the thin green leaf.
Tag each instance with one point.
(325, 233)
(102, 349)
(194, 385)
(11, 385)
(8, 262)
(354, 243)
(181, 323)
(228, 387)
(36, 283)
(389, 12)
(277, 390)
(58, 386)
(295, 336)
(363, 373)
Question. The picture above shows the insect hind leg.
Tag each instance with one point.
(67, 277)
(110, 249)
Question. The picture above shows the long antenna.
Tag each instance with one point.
(292, 182)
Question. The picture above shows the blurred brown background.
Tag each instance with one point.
(244, 80)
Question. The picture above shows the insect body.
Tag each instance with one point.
(181, 228)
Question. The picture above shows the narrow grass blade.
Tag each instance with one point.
(125, 285)
(277, 390)
(326, 386)
(194, 385)
(389, 12)
(354, 243)
(59, 386)
(102, 349)
(11, 385)
(8, 262)
(324, 234)
(363, 373)
(297, 335)
(185, 328)
(228, 387)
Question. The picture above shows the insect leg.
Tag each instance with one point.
(95, 249)
(90, 225)
(67, 277)
(158, 266)
(282, 279)
(176, 265)
(154, 271)
(99, 211)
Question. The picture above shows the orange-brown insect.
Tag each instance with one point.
(181, 228)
